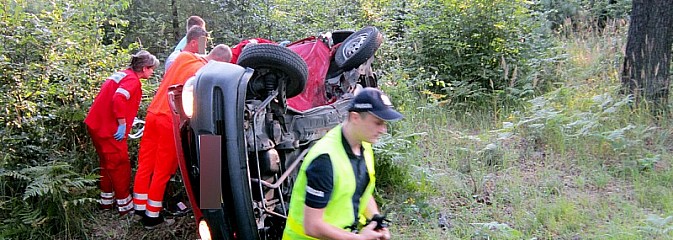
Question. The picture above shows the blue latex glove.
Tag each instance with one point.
(121, 131)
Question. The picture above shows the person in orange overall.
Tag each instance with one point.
(147, 148)
(157, 156)
(109, 122)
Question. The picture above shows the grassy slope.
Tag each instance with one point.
(577, 163)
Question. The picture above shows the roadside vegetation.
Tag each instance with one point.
(576, 162)
(515, 127)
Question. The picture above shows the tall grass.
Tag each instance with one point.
(578, 162)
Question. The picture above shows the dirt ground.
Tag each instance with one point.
(108, 224)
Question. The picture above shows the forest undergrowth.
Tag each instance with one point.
(578, 162)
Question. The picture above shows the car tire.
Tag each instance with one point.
(218, 221)
(277, 59)
(339, 36)
(358, 48)
(239, 198)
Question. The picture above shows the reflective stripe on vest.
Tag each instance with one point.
(339, 210)
(124, 92)
(117, 77)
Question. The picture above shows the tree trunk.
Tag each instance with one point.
(648, 52)
(176, 24)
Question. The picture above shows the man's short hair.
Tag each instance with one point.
(221, 53)
(195, 32)
(195, 21)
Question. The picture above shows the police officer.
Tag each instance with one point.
(333, 192)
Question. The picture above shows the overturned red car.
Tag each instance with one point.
(243, 129)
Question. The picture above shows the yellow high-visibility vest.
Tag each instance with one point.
(339, 209)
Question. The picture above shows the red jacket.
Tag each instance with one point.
(119, 97)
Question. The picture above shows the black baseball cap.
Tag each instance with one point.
(374, 101)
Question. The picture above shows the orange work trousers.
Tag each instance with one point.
(157, 162)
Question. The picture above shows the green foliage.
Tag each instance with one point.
(591, 128)
(295, 20)
(561, 216)
(148, 24)
(658, 225)
(590, 13)
(49, 83)
(52, 60)
(391, 152)
(576, 161)
(44, 200)
(495, 230)
(151, 22)
(476, 54)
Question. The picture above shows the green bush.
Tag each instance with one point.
(392, 172)
(52, 61)
(590, 13)
(53, 202)
(475, 53)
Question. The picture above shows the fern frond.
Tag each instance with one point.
(78, 202)
(38, 188)
(50, 179)
(32, 216)
(81, 183)
(15, 175)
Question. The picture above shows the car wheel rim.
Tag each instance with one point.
(355, 45)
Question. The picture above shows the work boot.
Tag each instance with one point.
(138, 215)
(105, 206)
(152, 223)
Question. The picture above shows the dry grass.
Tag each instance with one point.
(544, 184)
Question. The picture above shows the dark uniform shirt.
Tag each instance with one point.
(320, 181)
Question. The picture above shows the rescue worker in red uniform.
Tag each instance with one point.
(157, 158)
(109, 122)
